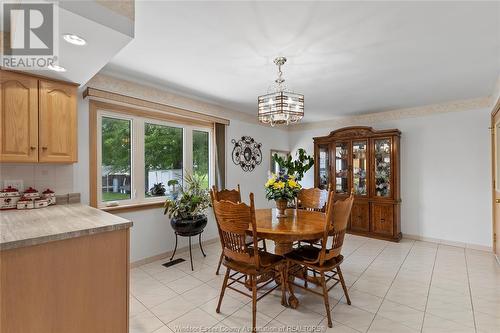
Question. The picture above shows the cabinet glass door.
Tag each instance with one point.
(341, 168)
(323, 163)
(382, 155)
(359, 166)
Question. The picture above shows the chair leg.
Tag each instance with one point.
(305, 272)
(223, 289)
(253, 279)
(283, 285)
(220, 263)
(325, 297)
(343, 285)
(264, 244)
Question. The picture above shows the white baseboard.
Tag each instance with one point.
(169, 253)
(450, 243)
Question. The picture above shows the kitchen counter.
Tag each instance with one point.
(21, 228)
(65, 268)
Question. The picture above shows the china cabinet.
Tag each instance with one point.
(365, 161)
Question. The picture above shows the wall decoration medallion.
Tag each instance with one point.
(246, 153)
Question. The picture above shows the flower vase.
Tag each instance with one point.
(281, 205)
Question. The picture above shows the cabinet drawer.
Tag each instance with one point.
(383, 219)
(360, 217)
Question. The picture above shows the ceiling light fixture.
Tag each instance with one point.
(280, 106)
(74, 39)
(56, 68)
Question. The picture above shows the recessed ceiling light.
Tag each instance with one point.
(56, 68)
(74, 39)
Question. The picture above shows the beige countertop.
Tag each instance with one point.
(21, 228)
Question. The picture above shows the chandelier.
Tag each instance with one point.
(280, 106)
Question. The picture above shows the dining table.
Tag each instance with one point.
(297, 225)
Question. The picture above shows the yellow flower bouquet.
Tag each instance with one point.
(282, 187)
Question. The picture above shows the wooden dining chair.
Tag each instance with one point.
(324, 261)
(232, 196)
(233, 221)
(312, 199)
(229, 195)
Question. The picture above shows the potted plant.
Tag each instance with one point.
(187, 210)
(282, 188)
(158, 190)
(297, 167)
(175, 191)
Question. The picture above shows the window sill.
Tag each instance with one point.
(132, 207)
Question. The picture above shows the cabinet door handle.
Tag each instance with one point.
(44, 148)
(32, 147)
(382, 220)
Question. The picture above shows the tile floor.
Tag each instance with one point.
(409, 286)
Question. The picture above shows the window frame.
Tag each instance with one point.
(138, 119)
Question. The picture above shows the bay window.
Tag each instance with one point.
(144, 160)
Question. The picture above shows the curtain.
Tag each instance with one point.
(220, 156)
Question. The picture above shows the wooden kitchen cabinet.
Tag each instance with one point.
(38, 119)
(77, 285)
(18, 118)
(57, 119)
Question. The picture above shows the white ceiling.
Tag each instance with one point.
(346, 57)
(87, 19)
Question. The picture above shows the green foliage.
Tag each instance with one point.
(298, 167)
(158, 189)
(112, 196)
(116, 144)
(162, 147)
(191, 202)
(173, 182)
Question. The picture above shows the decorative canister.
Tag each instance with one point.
(9, 197)
(50, 196)
(25, 203)
(31, 193)
(40, 203)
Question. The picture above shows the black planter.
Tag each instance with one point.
(189, 227)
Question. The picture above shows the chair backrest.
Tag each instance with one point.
(233, 220)
(337, 217)
(313, 199)
(229, 195)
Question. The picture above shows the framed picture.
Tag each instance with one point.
(275, 168)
